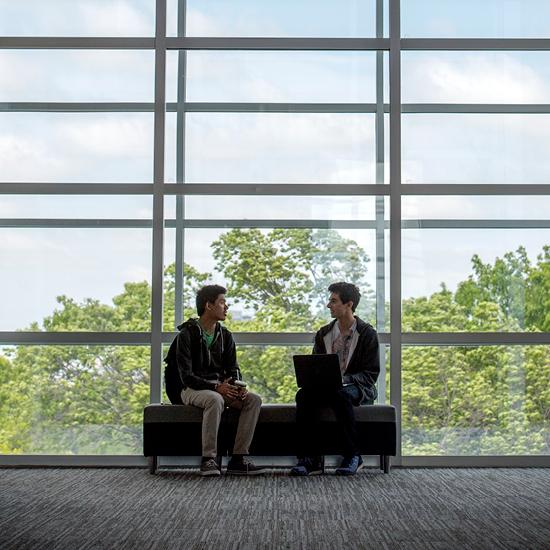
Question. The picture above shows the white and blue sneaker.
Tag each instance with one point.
(350, 465)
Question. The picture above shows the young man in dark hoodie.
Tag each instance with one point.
(356, 344)
(201, 370)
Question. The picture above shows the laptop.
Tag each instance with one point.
(318, 371)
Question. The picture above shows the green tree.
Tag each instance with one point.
(288, 269)
(456, 400)
(503, 283)
(537, 306)
(487, 399)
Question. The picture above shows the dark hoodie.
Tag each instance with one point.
(190, 364)
(364, 365)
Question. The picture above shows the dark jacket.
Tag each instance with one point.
(190, 363)
(364, 365)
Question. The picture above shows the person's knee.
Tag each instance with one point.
(253, 400)
(343, 394)
(214, 401)
(344, 397)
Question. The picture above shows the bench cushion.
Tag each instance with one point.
(269, 413)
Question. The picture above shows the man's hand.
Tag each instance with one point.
(243, 392)
(228, 390)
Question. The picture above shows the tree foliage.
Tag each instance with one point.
(456, 400)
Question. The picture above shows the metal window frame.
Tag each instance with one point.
(376, 224)
(159, 190)
(157, 276)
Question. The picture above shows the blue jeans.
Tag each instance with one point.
(308, 405)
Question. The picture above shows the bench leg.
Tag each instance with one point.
(153, 464)
(386, 464)
(323, 464)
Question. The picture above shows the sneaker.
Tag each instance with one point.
(350, 465)
(209, 467)
(308, 466)
(244, 467)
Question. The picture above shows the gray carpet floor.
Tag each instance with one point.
(410, 508)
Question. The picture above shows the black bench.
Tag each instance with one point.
(175, 430)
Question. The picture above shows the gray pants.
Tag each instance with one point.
(213, 405)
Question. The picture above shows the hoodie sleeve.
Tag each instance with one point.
(185, 364)
(369, 362)
(318, 344)
(230, 364)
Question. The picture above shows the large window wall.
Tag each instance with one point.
(275, 148)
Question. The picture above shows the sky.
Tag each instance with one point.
(262, 147)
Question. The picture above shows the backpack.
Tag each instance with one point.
(172, 381)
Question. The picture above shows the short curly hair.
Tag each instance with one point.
(347, 292)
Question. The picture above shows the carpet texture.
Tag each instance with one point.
(410, 508)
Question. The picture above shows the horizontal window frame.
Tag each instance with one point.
(12, 338)
(273, 189)
(481, 44)
(79, 42)
(268, 223)
(281, 43)
(259, 107)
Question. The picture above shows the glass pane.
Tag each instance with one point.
(85, 400)
(277, 279)
(77, 75)
(465, 207)
(490, 400)
(306, 18)
(476, 77)
(170, 149)
(478, 148)
(75, 206)
(62, 279)
(280, 148)
(245, 207)
(474, 19)
(82, 18)
(77, 148)
(278, 77)
(486, 272)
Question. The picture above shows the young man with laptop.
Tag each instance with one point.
(350, 345)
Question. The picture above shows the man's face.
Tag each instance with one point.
(337, 308)
(219, 308)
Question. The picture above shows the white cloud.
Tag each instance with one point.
(25, 157)
(203, 25)
(330, 77)
(277, 147)
(484, 77)
(107, 137)
(119, 17)
(475, 148)
(76, 75)
(69, 18)
(76, 147)
(136, 273)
